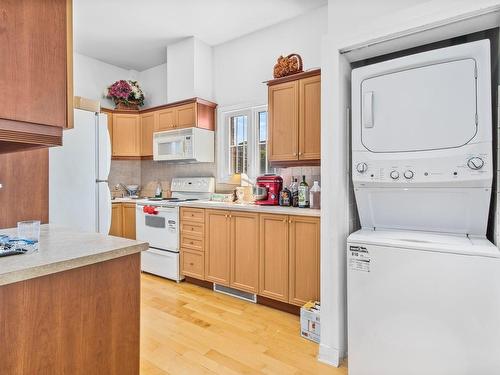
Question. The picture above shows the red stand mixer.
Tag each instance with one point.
(272, 185)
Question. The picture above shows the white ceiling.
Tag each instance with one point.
(133, 34)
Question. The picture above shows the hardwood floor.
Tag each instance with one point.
(186, 329)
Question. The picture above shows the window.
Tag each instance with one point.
(242, 143)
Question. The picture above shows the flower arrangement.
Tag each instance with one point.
(126, 94)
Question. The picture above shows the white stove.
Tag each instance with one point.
(157, 222)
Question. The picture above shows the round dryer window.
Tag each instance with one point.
(424, 108)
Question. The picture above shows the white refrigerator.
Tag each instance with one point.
(79, 194)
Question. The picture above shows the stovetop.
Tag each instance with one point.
(164, 201)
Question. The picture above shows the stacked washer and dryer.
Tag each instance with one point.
(423, 280)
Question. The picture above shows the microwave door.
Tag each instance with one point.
(170, 148)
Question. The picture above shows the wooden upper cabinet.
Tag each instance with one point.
(217, 246)
(186, 116)
(294, 105)
(310, 118)
(36, 72)
(304, 259)
(274, 268)
(126, 135)
(245, 251)
(167, 118)
(148, 123)
(283, 121)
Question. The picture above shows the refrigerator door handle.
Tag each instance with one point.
(98, 181)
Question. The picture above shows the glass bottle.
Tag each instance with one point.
(303, 193)
(294, 190)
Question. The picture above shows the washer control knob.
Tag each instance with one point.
(475, 163)
(409, 174)
(361, 167)
(394, 175)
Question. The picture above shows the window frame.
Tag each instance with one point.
(223, 134)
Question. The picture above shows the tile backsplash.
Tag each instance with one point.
(312, 174)
(148, 172)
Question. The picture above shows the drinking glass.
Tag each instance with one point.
(29, 230)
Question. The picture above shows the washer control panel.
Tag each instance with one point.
(470, 167)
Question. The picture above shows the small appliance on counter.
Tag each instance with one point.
(132, 190)
(269, 186)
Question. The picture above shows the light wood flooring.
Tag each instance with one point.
(186, 329)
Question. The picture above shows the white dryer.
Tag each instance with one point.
(423, 284)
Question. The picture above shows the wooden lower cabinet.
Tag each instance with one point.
(244, 260)
(217, 242)
(193, 263)
(116, 228)
(304, 258)
(274, 257)
(128, 221)
(123, 220)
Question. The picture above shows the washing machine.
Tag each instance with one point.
(423, 286)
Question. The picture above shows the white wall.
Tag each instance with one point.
(203, 70)
(91, 77)
(154, 84)
(377, 29)
(241, 65)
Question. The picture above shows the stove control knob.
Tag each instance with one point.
(394, 175)
(475, 163)
(361, 167)
(409, 174)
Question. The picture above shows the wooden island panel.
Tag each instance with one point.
(79, 322)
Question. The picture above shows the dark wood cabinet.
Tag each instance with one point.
(24, 194)
(36, 73)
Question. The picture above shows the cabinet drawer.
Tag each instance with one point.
(192, 228)
(193, 214)
(193, 263)
(193, 243)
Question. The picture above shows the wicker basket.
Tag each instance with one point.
(126, 105)
(288, 65)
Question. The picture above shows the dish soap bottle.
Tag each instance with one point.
(303, 193)
(159, 190)
(315, 196)
(294, 190)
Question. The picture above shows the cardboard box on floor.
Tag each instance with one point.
(310, 321)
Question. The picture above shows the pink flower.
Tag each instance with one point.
(120, 89)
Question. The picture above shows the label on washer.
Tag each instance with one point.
(359, 259)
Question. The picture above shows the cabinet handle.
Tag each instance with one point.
(290, 221)
(300, 153)
(294, 154)
(285, 220)
(191, 264)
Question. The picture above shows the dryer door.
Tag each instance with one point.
(425, 108)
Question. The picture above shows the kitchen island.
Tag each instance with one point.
(72, 307)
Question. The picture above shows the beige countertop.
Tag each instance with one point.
(280, 210)
(124, 200)
(62, 249)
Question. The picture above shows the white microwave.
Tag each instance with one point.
(188, 145)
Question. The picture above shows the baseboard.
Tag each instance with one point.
(330, 356)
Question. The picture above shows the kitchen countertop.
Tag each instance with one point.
(61, 249)
(125, 200)
(280, 210)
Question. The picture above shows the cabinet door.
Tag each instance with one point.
(128, 222)
(192, 264)
(217, 246)
(274, 257)
(186, 116)
(304, 259)
(116, 220)
(126, 135)
(245, 251)
(167, 119)
(36, 62)
(283, 121)
(310, 118)
(147, 127)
